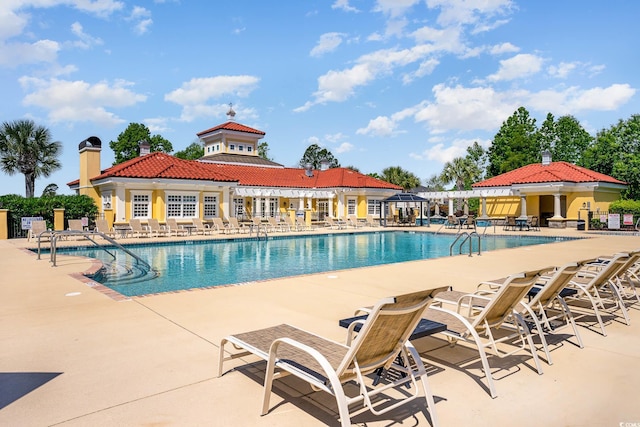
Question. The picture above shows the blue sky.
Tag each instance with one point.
(407, 83)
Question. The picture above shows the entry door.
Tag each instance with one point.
(323, 209)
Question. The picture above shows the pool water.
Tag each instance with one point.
(199, 264)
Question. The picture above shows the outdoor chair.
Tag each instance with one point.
(533, 223)
(490, 322)
(200, 227)
(510, 223)
(544, 309)
(371, 221)
(469, 222)
(103, 227)
(336, 225)
(301, 225)
(156, 229)
(173, 228)
(273, 225)
(352, 221)
(597, 290)
(452, 222)
(234, 226)
(382, 342)
(219, 226)
(137, 230)
(38, 228)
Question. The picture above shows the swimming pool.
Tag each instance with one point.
(205, 263)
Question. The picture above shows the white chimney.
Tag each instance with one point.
(145, 147)
(546, 158)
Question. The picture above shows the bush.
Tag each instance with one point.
(625, 207)
(75, 207)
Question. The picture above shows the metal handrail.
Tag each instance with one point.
(87, 235)
(467, 236)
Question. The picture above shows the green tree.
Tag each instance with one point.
(263, 150)
(460, 171)
(27, 148)
(399, 176)
(127, 145)
(565, 138)
(50, 190)
(477, 156)
(193, 151)
(515, 145)
(315, 155)
(353, 168)
(434, 183)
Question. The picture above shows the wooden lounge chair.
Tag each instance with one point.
(156, 228)
(137, 230)
(469, 222)
(474, 319)
(327, 365)
(174, 228)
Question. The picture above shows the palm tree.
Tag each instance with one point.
(459, 171)
(398, 176)
(27, 148)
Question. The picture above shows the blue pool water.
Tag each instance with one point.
(198, 264)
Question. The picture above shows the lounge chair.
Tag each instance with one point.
(352, 221)
(327, 365)
(137, 230)
(103, 227)
(173, 228)
(38, 228)
(469, 222)
(75, 227)
(371, 221)
(219, 226)
(288, 224)
(510, 223)
(544, 307)
(335, 225)
(533, 223)
(156, 228)
(273, 225)
(475, 318)
(234, 226)
(452, 222)
(200, 227)
(597, 290)
(301, 225)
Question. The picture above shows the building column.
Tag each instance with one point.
(557, 210)
(119, 214)
(451, 206)
(483, 207)
(523, 207)
(225, 203)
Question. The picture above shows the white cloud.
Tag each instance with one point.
(425, 68)
(195, 94)
(562, 70)
(394, 8)
(503, 48)
(335, 137)
(380, 126)
(328, 43)
(85, 41)
(344, 147)
(343, 5)
(141, 18)
(519, 66)
(476, 12)
(79, 101)
(14, 54)
(574, 99)
(443, 154)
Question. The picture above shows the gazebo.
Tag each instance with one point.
(404, 198)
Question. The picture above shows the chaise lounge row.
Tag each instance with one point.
(505, 316)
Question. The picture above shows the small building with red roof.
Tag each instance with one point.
(559, 193)
(230, 180)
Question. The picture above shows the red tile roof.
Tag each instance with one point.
(162, 165)
(537, 173)
(232, 126)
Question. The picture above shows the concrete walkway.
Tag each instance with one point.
(73, 356)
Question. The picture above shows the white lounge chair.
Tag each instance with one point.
(156, 228)
(137, 230)
(174, 228)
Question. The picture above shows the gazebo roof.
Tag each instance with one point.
(405, 197)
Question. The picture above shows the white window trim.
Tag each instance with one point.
(182, 194)
(149, 204)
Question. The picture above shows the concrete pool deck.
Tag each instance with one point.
(73, 356)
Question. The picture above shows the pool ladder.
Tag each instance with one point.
(264, 232)
(55, 235)
(467, 236)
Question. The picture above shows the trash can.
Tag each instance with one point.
(581, 224)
